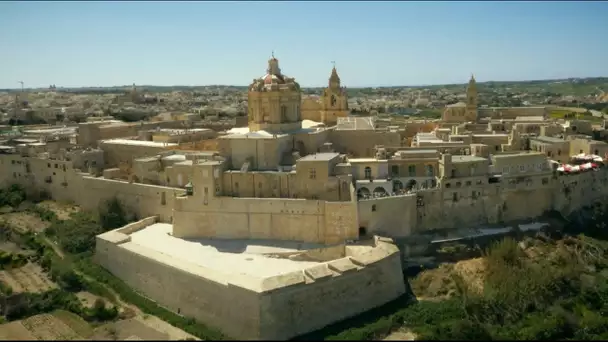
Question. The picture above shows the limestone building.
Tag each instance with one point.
(463, 111)
(330, 106)
(289, 219)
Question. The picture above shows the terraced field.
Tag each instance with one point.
(49, 327)
(59, 325)
(29, 278)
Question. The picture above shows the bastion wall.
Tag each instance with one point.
(276, 308)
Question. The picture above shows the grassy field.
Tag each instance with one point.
(570, 113)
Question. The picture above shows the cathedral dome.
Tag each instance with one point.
(274, 78)
(269, 79)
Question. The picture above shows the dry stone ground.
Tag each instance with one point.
(62, 210)
(25, 222)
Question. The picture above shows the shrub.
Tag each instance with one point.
(12, 196)
(112, 214)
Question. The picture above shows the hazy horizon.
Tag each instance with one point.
(374, 44)
(320, 86)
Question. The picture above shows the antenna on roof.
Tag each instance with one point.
(272, 53)
(333, 63)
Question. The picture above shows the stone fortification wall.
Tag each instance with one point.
(205, 299)
(141, 199)
(311, 221)
(340, 289)
(275, 308)
(399, 216)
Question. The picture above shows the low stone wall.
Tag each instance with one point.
(138, 225)
(276, 308)
(316, 254)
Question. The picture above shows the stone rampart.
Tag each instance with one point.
(276, 308)
(312, 221)
(489, 204)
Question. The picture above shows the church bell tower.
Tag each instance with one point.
(334, 100)
(471, 104)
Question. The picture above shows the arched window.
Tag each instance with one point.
(363, 193)
(368, 172)
(379, 191)
(397, 185)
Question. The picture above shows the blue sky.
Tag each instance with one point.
(373, 43)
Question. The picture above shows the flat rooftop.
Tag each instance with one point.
(417, 151)
(518, 154)
(171, 131)
(326, 156)
(465, 159)
(366, 160)
(137, 143)
(547, 139)
(499, 135)
(229, 257)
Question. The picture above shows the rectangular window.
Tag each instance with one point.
(313, 174)
(411, 170)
